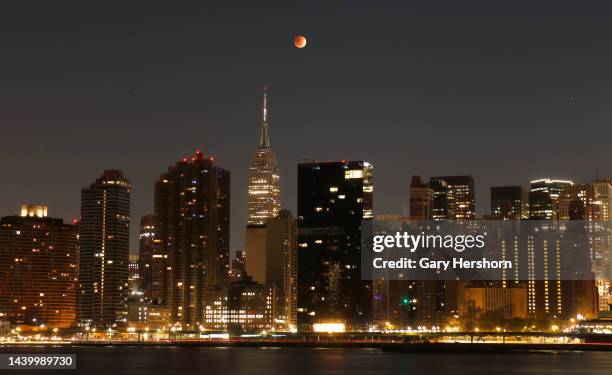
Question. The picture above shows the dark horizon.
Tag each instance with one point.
(504, 92)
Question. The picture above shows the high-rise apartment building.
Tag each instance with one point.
(104, 232)
(549, 254)
(38, 269)
(192, 211)
(333, 199)
(591, 203)
(551, 199)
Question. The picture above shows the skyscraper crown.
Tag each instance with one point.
(264, 138)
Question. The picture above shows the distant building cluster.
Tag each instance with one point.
(436, 303)
(296, 273)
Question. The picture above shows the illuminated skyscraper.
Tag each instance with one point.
(264, 178)
(38, 269)
(443, 200)
(333, 199)
(263, 200)
(104, 232)
(544, 198)
(591, 203)
(192, 211)
(461, 194)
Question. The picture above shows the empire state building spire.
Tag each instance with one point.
(264, 189)
(264, 138)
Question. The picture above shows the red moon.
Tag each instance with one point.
(299, 41)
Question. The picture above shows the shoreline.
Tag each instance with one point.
(399, 347)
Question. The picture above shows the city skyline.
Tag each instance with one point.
(369, 83)
(191, 212)
(483, 211)
(230, 187)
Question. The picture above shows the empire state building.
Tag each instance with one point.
(264, 189)
(264, 203)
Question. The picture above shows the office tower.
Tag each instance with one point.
(264, 178)
(421, 302)
(509, 202)
(461, 197)
(544, 198)
(443, 201)
(38, 269)
(586, 201)
(104, 232)
(281, 268)
(333, 199)
(454, 199)
(421, 200)
(263, 199)
(192, 211)
(603, 190)
(591, 203)
(575, 202)
(541, 206)
(145, 255)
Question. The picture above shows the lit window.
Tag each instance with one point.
(353, 173)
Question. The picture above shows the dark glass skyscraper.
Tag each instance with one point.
(461, 192)
(544, 198)
(104, 251)
(333, 199)
(509, 202)
(443, 200)
(192, 209)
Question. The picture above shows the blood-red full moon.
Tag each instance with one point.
(299, 41)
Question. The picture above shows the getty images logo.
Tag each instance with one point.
(413, 242)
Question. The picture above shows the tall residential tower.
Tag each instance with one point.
(192, 213)
(104, 232)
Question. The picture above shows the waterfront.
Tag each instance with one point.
(270, 360)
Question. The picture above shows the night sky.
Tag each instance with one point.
(504, 90)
